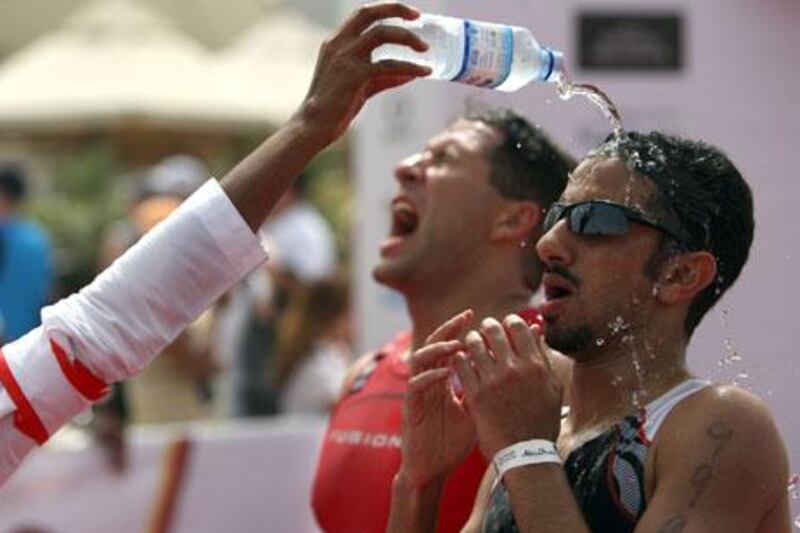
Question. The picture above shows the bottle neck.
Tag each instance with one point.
(552, 63)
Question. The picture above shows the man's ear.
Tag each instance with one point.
(516, 221)
(684, 276)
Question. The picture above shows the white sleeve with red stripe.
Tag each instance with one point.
(115, 326)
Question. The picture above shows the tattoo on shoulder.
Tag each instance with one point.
(720, 435)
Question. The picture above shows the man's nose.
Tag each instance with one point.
(553, 247)
(410, 169)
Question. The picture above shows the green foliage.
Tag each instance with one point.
(331, 191)
(86, 195)
(83, 200)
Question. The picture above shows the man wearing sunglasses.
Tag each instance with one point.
(649, 233)
(133, 310)
(466, 214)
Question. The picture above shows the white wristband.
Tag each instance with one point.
(528, 452)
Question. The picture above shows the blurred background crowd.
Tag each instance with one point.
(87, 168)
(280, 342)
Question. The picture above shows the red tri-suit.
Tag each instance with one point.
(361, 453)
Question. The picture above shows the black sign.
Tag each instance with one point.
(630, 42)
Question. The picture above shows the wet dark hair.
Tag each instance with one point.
(527, 165)
(12, 182)
(701, 190)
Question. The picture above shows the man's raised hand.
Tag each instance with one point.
(345, 76)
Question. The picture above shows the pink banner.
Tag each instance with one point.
(200, 478)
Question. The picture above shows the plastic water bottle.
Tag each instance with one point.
(496, 56)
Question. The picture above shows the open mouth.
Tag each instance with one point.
(556, 293)
(405, 218)
(556, 288)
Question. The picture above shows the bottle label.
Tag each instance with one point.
(488, 51)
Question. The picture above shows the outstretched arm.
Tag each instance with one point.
(344, 80)
(123, 319)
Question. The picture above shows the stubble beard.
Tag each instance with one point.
(569, 341)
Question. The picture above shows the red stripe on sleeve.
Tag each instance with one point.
(90, 386)
(25, 418)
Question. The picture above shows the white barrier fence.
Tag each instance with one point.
(223, 477)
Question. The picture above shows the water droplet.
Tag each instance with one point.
(519, 146)
(731, 355)
(793, 487)
(617, 325)
(600, 341)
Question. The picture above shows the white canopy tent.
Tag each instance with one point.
(115, 63)
(214, 23)
(272, 63)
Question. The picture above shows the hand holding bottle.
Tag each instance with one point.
(345, 77)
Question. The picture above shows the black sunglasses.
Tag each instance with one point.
(601, 217)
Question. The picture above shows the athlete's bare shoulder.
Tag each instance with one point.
(719, 462)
